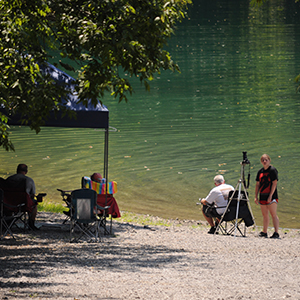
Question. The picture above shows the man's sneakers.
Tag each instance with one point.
(212, 230)
(265, 235)
(275, 236)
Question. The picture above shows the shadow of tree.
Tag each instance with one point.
(27, 263)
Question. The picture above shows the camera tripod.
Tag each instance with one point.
(242, 195)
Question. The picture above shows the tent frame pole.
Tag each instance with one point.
(105, 173)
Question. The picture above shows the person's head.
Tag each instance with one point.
(96, 177)
(219, 179)
(22, 169)
(265, 160)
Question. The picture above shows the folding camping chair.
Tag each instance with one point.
(9, 215)
(84, 219)
(18, 204)
(231, 222)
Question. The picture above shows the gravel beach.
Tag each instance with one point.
(180, 261)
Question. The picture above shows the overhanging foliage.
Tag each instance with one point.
(103, 38)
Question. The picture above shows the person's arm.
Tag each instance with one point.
(273, 188)
(256, 192)
(30, 186)
(203, 201)
(210, 199)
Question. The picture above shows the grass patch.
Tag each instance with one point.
(127, 217)
(51, 207)
(143, 219)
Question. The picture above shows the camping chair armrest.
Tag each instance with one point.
(39, 197)
(102, 208)
(13, 206)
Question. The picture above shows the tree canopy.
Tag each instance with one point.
(106, 39)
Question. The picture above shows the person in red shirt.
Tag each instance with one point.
(266, 186)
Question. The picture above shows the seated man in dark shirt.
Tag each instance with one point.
(21, 182)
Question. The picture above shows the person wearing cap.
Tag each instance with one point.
(97, 177)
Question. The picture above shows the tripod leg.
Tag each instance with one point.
(237, 208)
(248, 204)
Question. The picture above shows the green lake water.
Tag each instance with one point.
(235, 93)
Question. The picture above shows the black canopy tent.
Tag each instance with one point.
(86, 117)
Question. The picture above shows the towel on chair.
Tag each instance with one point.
(100, 188)
(113, 209)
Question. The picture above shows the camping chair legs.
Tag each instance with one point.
(6, 227)
(103, 224)
(110, 228)
(224, 229)
(9, 220)
(80, 231)
(67, 219)
(23, 225)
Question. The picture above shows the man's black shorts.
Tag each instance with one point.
(210, 211)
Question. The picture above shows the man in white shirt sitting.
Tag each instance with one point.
(218, 198)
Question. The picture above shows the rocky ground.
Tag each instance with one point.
(179, 261)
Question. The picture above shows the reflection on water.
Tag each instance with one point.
(235, 93)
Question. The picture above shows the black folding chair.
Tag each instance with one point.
(231, 222)
(85, 223)
(9, 215)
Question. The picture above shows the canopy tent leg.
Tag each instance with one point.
(105, 173)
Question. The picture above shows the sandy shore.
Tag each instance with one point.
(149, 262)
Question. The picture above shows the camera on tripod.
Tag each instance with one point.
(245, 159)
(243, 163)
